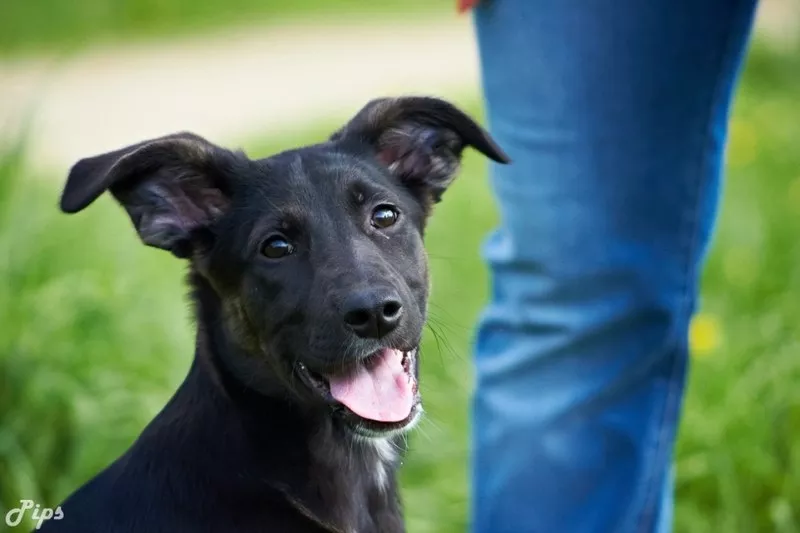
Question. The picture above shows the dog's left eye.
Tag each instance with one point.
(384, 216)
(277, 247)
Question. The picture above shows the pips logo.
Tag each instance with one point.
(15, 516)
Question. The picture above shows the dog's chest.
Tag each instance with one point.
(384, 463)
(374, 508)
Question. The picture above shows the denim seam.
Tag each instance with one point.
(644, 516)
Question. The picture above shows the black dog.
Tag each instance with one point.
(311, 285)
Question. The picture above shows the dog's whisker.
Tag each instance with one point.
(447, 317)
(442, 332)
(435, 334)
(453, 328)
(430, 423)
(443, 340)
(397, 447)
(447, 258)
(424, 434)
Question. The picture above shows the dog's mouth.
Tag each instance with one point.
(376, 396)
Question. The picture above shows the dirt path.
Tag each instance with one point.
(227, 87)
(232, 86)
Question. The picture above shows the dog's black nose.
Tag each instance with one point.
(372, 314)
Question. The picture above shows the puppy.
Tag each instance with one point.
(310, 285)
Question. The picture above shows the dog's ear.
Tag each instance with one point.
(171, 187)
(419, 139)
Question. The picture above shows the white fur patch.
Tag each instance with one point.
(387, 455)
(385, 449)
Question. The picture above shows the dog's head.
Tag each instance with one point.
(314, 255)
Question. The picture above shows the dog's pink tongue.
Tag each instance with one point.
(380, 390)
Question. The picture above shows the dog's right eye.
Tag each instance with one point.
(277, 247)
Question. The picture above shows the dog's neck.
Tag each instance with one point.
(341, 482)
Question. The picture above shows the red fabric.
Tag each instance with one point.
(466, 5)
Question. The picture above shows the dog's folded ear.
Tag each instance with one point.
(171, 187)
(419, 139)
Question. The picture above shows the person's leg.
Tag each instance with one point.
(614, 113)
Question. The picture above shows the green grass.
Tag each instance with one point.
(79, 338)
(739, 450)
(95, 334)
(63, 25)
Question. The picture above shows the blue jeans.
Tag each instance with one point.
(614, 113)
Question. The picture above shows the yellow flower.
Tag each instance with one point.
(705, 335)
(742, 143)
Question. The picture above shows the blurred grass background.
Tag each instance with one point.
(96, 333)
(29, 25)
